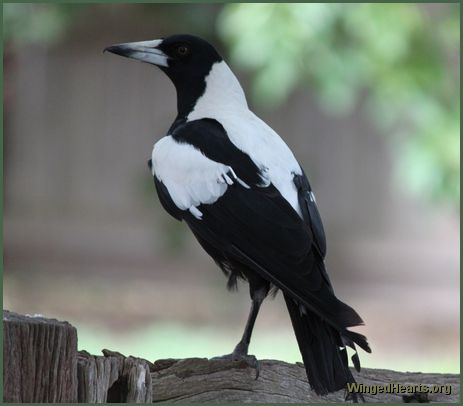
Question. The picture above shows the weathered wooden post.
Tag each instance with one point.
(113, 378)
(41, 364)
(39, 359)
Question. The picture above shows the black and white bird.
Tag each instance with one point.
(243, 194)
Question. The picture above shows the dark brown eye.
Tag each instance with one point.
(183, 50)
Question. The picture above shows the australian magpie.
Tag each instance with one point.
(243, 194)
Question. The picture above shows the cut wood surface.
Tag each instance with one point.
(41, 364)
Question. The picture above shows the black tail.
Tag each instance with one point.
(323, 350)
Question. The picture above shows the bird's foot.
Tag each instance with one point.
(354, 397)
(240, 354)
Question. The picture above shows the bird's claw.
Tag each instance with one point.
(251, 361)
(354, 397)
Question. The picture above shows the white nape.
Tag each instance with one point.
(223, 93)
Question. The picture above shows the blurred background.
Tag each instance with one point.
(367, 95)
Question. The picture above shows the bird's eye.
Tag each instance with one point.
(182, 50)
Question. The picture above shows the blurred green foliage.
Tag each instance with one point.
(399, 61)
(36, 23)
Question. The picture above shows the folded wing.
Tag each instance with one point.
(245, 221)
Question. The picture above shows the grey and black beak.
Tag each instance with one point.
(145, 51)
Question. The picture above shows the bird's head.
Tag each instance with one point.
(187, 60)
(178, 55)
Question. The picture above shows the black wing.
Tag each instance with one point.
(258, 228)
(310, 212)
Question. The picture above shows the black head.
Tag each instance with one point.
(185, 59)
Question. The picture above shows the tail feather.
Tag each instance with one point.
(323, 349)
(356, 338)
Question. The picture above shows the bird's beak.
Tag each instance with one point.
(145, 51)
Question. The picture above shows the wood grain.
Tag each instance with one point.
(203, 381)
(39, 359)
(41, 364)
(113, 378)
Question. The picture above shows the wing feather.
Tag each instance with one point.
(262, 231)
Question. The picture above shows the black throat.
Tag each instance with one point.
(189, 90)
(190, 81)
(188, 93)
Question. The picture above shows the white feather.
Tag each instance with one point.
(190, 177)
(195, 212)
(224, 100)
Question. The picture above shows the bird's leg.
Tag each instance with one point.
(241, 350)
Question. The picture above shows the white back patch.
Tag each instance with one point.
(224, 101)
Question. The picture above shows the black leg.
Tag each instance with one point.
(258, 297)
(240, 353)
